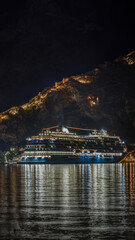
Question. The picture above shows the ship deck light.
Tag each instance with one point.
(28, 138)
(104, 131)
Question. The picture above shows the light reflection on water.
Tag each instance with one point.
(94, 201)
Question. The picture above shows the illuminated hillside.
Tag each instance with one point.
(100, 98)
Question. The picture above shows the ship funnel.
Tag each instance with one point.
(65, 130)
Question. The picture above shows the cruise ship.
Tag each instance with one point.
(73, 145)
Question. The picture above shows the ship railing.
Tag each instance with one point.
(39, 153)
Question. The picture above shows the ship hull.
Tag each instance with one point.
(70, 160)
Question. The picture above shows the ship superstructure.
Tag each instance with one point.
(64, 144)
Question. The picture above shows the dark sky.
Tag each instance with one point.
(42, 41)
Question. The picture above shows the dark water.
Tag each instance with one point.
(67, 201)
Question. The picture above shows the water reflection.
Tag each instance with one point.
(67, 201)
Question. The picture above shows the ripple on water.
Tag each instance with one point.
(67, 201)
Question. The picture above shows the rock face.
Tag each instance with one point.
(102, 98)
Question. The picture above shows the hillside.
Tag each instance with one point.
(102, 98)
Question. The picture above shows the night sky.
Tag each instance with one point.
(42, 41)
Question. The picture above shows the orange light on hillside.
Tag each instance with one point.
(93, 101)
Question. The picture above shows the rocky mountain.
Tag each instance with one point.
(101, 98)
